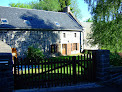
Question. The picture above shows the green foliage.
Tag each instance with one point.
(115, 59)
(20, 5)
(107, 24)
(86, 52)
(64, 3)
(89, 20)
(50, 5)
(34, 53)
(75, 9)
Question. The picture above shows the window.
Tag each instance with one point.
(74, 46)
(74, 34)
(4, 21)
(54, 48)
(64, 35)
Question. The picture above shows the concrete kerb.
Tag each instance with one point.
(65, 88)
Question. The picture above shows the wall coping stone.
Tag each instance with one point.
(5, 48)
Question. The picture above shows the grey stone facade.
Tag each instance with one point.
(21, 39)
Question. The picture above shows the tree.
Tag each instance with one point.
(75, 9)
(89, 20)
(50, 5)
(64, 3)
(21, 5)
(107, 24)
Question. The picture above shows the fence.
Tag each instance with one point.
(53, 72)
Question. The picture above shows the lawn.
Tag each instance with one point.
(60, 75)
(45, 68)
(54, 71)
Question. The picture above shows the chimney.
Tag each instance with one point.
(66, 9)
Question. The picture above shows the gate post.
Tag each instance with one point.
(101, 58)
(6, 66)
(6, 73)
(74, 69)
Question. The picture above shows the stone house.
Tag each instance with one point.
(54, 32)
(86, 35)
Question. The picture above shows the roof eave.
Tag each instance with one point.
(39, 29)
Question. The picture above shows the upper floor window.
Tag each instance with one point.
(75, 35)
(64, 35)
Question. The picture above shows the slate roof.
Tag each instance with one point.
(39, 19)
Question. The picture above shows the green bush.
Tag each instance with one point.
(34, 53)
(115, 59)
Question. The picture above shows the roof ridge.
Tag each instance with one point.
(33, 9)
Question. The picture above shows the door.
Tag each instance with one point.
(64, 49)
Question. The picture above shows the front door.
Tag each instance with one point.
(64, 49)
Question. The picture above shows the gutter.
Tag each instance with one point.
(39, 29)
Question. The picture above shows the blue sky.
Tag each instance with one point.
(83, 6)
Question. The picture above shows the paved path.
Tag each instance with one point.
(101, 89)
(89, 87)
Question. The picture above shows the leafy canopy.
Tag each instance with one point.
(107, 23)
(64, 3)
(50, 5)
(89, 20)
(75, 9)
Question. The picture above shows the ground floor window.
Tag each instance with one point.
(54, 48)
(75, 46)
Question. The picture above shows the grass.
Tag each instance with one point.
(54, 71)
(59, 69)
(51, 77)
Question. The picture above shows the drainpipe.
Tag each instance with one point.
(80, 42)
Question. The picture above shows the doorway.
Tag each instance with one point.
(64, 49)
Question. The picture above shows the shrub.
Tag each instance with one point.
(115, 59)
(34, 53)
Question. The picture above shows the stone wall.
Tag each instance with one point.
(21, 39)
(105, 74)
(115, 75)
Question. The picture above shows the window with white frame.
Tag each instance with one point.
(75, 34)
(64, 35)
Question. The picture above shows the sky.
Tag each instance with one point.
(81, 4)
